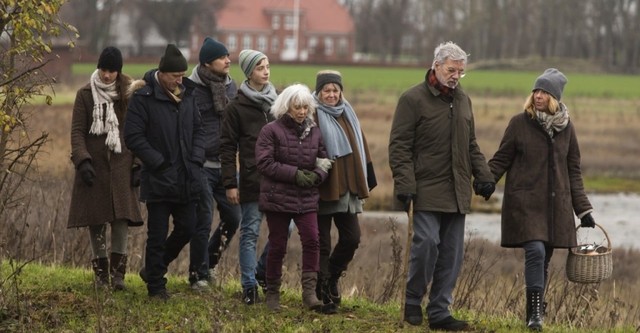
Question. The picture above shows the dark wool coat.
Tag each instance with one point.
(111, 197)
(211, 120)
(242, 122)
(433, 150)
(159, 131)
(543, 185)
(279, 154)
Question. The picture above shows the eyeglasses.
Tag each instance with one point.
(453, 71)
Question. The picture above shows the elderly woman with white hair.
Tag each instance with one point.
(292, 160)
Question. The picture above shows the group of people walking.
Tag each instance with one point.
(182, 143)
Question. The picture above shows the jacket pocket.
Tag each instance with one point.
(164, 183)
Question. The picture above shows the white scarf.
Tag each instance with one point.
(105, 120)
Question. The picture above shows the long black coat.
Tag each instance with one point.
(544, 185)
(158, 130)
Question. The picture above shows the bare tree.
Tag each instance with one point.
(172, 18)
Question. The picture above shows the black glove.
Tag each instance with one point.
(135, 175)
(484, 189)
(303, 179)
(87, 173)
(406, 199)
(587, 221)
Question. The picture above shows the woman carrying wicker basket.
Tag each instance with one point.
(543, 188)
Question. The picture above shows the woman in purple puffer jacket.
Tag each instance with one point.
(292, 160)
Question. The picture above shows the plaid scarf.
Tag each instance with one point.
(432, 80)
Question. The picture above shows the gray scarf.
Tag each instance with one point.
(556, 122)
(263, 98)
(216, 83)
(335, 139)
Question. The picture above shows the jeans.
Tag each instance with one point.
(307, 225)
(536, 264)
(161, 250)
(436, 255)
(230, 216)
(249, 232)
(332, 264)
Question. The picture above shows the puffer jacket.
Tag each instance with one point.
(160, 131)
(279, 154)
(543, 186)
(433, 151)
(242, 122)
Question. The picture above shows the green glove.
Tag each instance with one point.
(312, 176)
(302, 179)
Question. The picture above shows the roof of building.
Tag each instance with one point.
(320, 16)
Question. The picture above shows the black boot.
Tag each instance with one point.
(332, 290)
(535, 301)
(118, 270)
(101, 269)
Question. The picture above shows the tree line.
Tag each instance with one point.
(603, 32)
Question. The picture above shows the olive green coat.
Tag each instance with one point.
(433, 151)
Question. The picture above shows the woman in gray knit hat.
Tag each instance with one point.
(540, 155)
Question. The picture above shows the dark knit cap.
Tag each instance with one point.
(552, 81)
(324, 77)
(172, 61)
(110, 59)
(211, 50)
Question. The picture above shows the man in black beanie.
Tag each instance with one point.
(163, 129)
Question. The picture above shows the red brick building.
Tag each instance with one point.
(317, 31)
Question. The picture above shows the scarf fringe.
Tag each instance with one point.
(103, 96)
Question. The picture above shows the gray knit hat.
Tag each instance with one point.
(172, 61)
(248, 60)
(328, 76)
(211, 50)
(552, 81)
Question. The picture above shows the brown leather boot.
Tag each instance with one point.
(309, 281)
(101, 269)
(118, 269)
(273, 294)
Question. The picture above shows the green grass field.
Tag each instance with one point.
(395, 79)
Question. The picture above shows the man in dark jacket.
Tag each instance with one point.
(163, 129)
(433, 153)
(213, 89)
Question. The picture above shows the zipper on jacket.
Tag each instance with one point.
(450, 110)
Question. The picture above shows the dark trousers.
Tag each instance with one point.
(336, 262)
(160, 249)
(536, 264)
(307, 225)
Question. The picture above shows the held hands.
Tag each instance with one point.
(587, 221)
(305, 178)
(87, 173)
(324, 163)
(484, 189)
(406, 199)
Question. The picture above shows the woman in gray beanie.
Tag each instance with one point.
(540, 155)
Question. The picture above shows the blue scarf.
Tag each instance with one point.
(335, 139)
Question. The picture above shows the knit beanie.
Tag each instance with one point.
(110, 59)
(249, 59)
(172, 61)
(552, 81)
(324, 77)
(211, 50)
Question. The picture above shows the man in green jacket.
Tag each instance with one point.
(433, 153)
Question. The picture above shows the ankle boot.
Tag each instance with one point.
(101, 270)
(118, 269)
(535, 301)
(273, 294)
(332, 291)
(309, 281)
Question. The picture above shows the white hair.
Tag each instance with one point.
(295, 94)
(448, 50)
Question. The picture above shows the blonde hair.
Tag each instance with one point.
(295, 94)
(529, 105)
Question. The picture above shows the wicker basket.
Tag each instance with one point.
(591, 267)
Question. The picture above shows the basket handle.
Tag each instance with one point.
(603, 231)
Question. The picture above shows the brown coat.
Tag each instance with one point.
(111, 197)
(543, 185)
